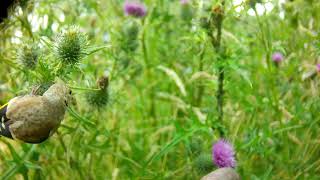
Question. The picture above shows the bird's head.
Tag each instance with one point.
(59, 93)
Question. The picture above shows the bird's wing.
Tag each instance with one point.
(4, 127)
(30, 118)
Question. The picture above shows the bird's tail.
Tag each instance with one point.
(4, 127)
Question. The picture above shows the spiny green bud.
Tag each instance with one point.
(129, 36)
(196, 146)
(28, 56)
(70, 45)
(203, 163)
(99, 98)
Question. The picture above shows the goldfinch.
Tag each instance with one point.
(222, 174)
(31, 118)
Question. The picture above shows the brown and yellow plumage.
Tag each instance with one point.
(33, 119)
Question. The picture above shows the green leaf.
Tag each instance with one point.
(172, 144)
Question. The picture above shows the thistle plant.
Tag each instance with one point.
(70, 46)
(135, 9)
(28, 56)
(196, 146)
(277, 57)
(129, 36)
(99, 98)
(186, 10)
(223, 154)
(203, 163)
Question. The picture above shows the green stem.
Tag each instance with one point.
(148, 71)
(267, 46)
(263, 38)
(201, 88)
(216, 42)
(83, 88)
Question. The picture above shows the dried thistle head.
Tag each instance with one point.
(103, 82)
(71, 45)
(28, 56)
(99, 98)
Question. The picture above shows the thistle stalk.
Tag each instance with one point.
(148, 72)
(218, 15)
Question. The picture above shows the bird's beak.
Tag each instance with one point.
(73, 101)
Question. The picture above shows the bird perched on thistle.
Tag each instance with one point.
(33, 119)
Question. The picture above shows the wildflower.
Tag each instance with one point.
(135, 9)
(70, 45)
(203, 163)
(28, 56)
(318, 67)
(223, 154)
(183, 2)
(277, 57)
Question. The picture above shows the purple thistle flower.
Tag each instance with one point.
(277, 57)
(135, 9)
(223, 154)
(318, 67)
(184, 2)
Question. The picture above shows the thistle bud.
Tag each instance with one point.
(129, 36)
(186, 10)
(99, 98)
(196, 146)
(70, 45)
(28, 56)
(203, 163)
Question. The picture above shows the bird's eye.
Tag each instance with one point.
(70, 92)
